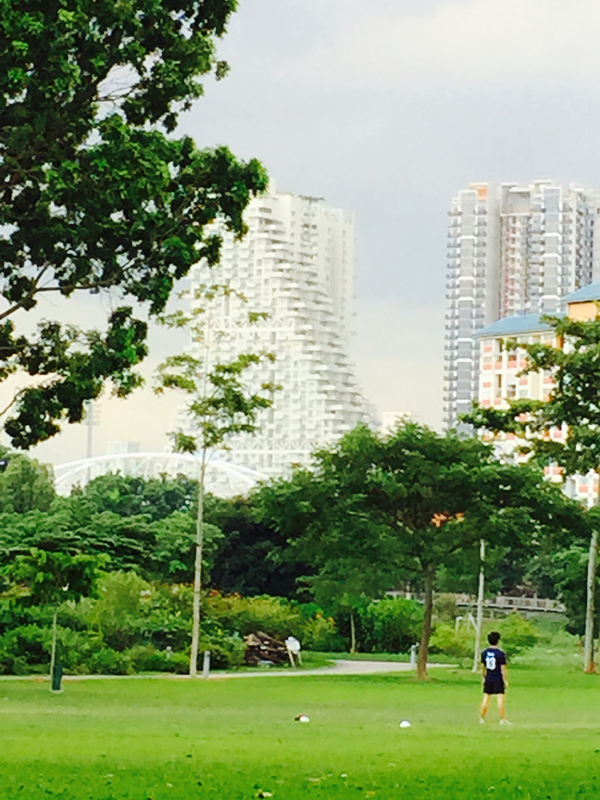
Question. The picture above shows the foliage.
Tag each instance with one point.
(452, 641)
(219, 401)
(274, 616)
(174, 548)
(518, 634)
(94, 197)
(568, 570)
(374, 511)
(25, 484)
(572, 402)
(146, 526)
(445, 608)
(391, 625)
(321, 635)
(251, 558)
(226, 651)
(46, 578)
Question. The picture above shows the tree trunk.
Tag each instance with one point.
(479, 624)
(424, 645)
(198, 570)
(589, 664)
(352, 633)
(53, 650)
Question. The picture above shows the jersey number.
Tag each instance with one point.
(490, 662)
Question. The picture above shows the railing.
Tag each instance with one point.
(501, 602)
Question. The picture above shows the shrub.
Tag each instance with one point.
(226, 652)
(146, 658)
(275, 616)
(453, 642)
(391, 625)
(518, 634)
(106, 661)
(320, 633)
(444, 608)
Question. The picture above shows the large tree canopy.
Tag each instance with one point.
(93, 196)
(377, 509)
(572, 409)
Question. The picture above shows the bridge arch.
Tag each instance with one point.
(223, 478)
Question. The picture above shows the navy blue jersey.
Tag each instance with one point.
(493, 658)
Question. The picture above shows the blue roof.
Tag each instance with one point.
(585, 294)
(511, 326)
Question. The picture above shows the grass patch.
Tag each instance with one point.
(172, 738)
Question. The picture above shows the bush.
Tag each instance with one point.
(146, 658)
(106, 661)
(444, 608)
(275, 616)
(320, 633)
(226, 652)
(391, 625)
(453, 642)
(518, 634)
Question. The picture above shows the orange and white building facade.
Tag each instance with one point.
(500, 367)
(512, 249)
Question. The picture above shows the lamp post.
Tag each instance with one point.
(479, 622)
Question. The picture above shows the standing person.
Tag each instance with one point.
(495, 678)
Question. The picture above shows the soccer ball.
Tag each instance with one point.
(302, 718)
(404, 723)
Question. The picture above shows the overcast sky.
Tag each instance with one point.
(388, 108)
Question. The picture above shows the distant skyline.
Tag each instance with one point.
(387, 109)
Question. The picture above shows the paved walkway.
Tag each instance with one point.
(345, 667)
(342, 667)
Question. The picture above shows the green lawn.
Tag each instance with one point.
(169, 738)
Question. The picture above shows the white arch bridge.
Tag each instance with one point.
(223, 478)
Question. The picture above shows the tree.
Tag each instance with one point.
(573, 408)
(93, 196)
(405, 505)
(25, 484)
(220, 406)
(250, 558)
(45, 578)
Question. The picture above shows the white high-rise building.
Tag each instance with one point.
(296, 263)
(512, 249)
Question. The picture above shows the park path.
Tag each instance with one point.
(342, 667)
(345, 667)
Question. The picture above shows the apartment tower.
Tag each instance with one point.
(512, 249)
(296, 263)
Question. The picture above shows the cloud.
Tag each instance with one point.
(471, 41)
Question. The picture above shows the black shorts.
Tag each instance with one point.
(493, 686)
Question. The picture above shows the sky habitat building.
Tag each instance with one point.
(296, 263)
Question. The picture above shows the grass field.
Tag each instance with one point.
(168, 738)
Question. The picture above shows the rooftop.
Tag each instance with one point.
(585, 295)
(511, 326)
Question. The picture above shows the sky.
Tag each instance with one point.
(388, 108)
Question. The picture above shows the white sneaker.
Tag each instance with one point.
(481, 721)
(505, 722)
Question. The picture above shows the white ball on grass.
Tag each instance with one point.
(302, 718)
(404, 723)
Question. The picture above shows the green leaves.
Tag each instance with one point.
(77, 364)
(573, 406)
(92, 196)
(48, 577)
(375, 509)
(220, 403)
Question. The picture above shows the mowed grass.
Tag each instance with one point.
(168, 739)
